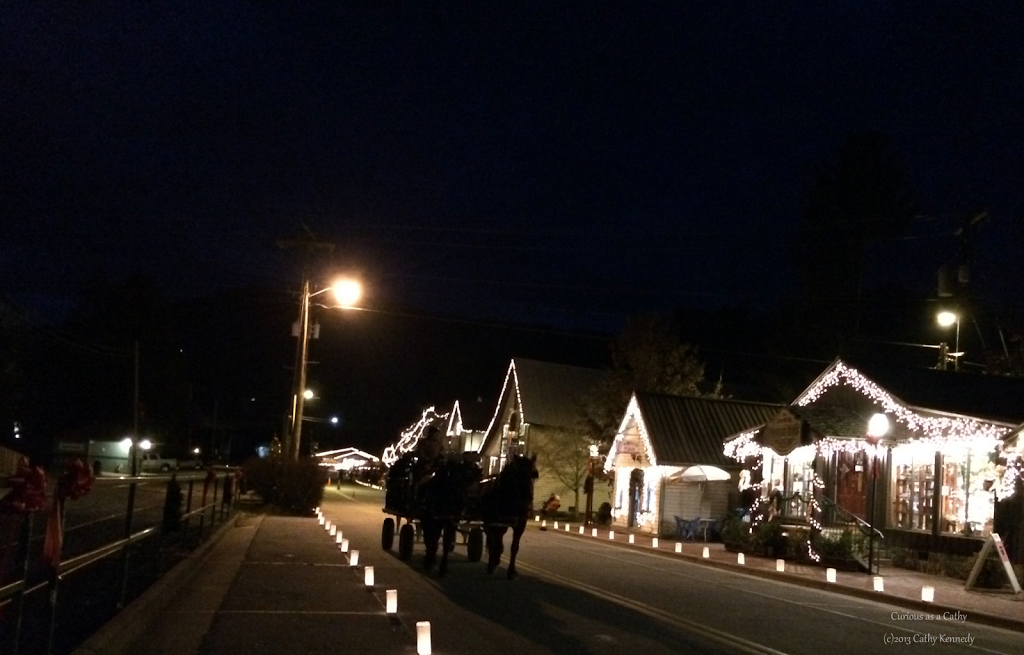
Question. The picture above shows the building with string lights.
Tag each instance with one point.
(668, 464)
(940, 475)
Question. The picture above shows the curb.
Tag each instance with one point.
(983, 618)
(127, 626)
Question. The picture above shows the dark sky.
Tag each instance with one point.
(565, 163)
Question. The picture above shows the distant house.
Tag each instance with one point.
(948, 453)
(465, 426)
(538, 402)
(660, 436)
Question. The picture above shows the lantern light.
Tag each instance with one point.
(423, 638)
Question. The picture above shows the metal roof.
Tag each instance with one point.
(692, 430)
(550, 393)
(987, 397)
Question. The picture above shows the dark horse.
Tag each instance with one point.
(506, 502)
(444, 500)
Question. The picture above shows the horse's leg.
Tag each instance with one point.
(430, 536)
(447, 541)
(495, 536)
(517, 531)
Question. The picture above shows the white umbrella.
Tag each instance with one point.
(701, 473)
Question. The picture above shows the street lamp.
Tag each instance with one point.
(346, 292)
(878, 427)
(947, 319)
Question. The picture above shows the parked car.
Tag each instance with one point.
(191, 463)
(150, 462)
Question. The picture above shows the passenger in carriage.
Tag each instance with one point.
(429, 451)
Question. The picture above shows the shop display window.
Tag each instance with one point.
(792, 476)
(913, 495)
(967, 505)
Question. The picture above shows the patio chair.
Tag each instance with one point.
(680, 527)
(687, 529)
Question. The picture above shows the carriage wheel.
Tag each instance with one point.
(387, 533)
(475, 545)
(406, 536)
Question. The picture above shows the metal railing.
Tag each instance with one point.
(835, 516)
(107, 550)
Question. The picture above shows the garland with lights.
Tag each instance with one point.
(410, 435)
(938, 429)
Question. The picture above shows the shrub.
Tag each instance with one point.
(836, 547)
(904, 558)
(736, 533)
(768, 537)
(293, 487)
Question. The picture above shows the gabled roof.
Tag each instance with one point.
(691, 430)
(543, 394)
(475, 414)
(831, 420)
(986, 397)
(550, 392)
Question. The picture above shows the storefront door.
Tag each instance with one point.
(852, 486)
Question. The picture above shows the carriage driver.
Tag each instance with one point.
(428, 451)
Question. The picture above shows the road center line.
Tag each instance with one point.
(707, 632)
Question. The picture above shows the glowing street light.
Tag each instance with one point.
(947, 319)
(347, 292)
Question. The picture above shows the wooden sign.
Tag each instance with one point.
(986, 550)
(783, 433)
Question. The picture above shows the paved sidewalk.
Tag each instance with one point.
(280, 584)
(902, 586)
(275, 584)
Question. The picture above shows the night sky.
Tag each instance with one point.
(556, 164)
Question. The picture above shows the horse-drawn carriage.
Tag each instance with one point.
(443, 499)
(422, 497)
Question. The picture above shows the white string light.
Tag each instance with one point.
(410, 436)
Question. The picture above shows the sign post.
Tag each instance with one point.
(986, 550)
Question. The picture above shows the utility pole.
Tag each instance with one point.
(308, 244)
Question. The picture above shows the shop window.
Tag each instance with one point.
(792, 476)
(914, 487)
(967, 506)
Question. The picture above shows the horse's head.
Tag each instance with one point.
(520, 474)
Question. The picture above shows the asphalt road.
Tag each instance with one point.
(581, 595)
